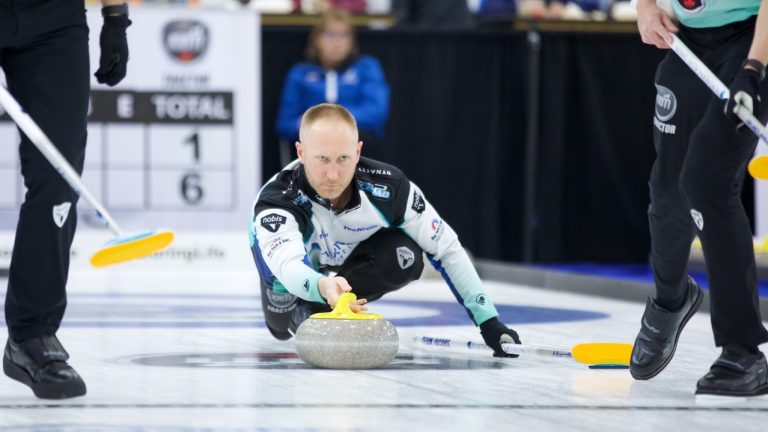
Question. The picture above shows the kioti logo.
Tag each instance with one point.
(186, 40)
(692, 5)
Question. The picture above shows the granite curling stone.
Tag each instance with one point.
(344, 339)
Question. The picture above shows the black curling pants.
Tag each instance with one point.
(44, 55)
(696, 183)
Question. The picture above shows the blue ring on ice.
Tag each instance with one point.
(245, 312)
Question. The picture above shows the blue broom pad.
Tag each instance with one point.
(122, 240)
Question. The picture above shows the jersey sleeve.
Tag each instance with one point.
(278, 245)
(424, 225)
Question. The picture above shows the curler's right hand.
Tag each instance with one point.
(331, 288)
(654, 24)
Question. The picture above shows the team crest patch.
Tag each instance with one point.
(405, 257)
(693, 6)
(418, 202)
(272, 222)
(698, 219)
(60, 213)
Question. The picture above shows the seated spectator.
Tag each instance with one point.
(334, 72)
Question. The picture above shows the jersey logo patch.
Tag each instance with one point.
(693, 6)
(418, 202)
(60, 213)
(698, 219)
(405, 257)
(377, 190)
(666, 103)
(272, 222)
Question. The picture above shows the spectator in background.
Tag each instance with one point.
(556, 9)
(334, 72)
(432, 13)
(553, 9)
(323, 6)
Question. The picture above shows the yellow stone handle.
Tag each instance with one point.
(343, 311)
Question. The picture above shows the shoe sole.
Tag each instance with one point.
(763, 389)
(694, 309)
(49, 391)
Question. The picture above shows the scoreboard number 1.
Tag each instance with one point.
(194, 141)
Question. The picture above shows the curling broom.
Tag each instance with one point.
(595, 353)
(120, 249)
(758, 166)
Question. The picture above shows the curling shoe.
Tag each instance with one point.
(737, 372)
(41, 364)
(659, 332)
(305, 309)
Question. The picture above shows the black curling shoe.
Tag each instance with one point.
(41, 364)
(737, 372)
(659, 332)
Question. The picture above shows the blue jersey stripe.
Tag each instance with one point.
(438, 265)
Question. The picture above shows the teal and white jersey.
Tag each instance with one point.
(713, 13)
(291, 223)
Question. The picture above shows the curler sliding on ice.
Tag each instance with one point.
(123, 247)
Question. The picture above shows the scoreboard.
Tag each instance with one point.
(177, 143)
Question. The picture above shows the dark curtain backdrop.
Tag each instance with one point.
(597, 103)
(457, 127)
(456, 124)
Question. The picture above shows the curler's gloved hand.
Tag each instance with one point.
(113, 62)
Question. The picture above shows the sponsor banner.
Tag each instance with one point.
(190, 250)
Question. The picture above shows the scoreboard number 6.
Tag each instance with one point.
(191, 188)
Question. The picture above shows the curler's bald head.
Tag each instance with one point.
(320, 113)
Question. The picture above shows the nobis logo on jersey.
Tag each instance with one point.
(693, 6)
(272, 222)
(185, 40)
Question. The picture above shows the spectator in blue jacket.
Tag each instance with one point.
(334, 72)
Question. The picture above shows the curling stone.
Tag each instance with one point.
(343, 339)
